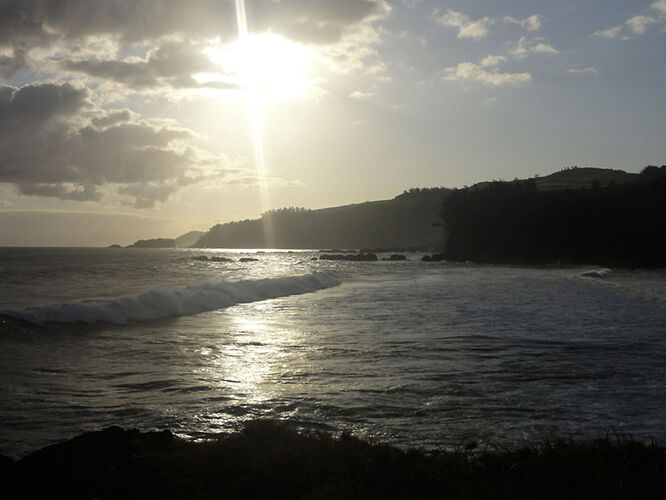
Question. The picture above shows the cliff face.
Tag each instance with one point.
(407, 221)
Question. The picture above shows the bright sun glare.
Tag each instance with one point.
(268, 65)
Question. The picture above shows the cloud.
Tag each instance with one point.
(480, 28)
(54, 142)
(171, 64)
(583, 71)
(639, 23)
(357, 52)
(37, 22)
(486, 72)
(360, 95)
(63, 191)
(146, 195)
(660, 7)
(467, 28)
(531, 23)
(492, 61)
(12, 61)
(525, 47)
(113, 117)
(67, 24)
(613, 32)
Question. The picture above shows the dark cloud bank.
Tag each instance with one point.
(49, 148)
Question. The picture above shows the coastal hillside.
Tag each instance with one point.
(188, 239)
(183, 241)
(610, 223)
(154, 243)
(408, 221)
(575, 178)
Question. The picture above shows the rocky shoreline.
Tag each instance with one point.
(271, 460)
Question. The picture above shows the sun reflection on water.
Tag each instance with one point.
(248, 368)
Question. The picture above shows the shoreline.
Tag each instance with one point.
(268, 459)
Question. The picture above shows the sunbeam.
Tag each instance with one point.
(254, 108)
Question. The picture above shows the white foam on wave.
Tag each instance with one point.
(165, 303)
(595, 273)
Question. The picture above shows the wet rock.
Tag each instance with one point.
(359, 257)
(436, 257)
(395, 257)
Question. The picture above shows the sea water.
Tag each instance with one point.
(429, 355)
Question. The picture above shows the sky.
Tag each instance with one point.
(128, 119)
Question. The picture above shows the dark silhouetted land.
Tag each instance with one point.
(574, 216)
(269, 460)
(405, 222)
(184, 241)
(539, 222)
(188, 239)
(154, 243)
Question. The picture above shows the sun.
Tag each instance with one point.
(266, 65)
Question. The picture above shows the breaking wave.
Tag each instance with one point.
(165, 303)
(595, 273)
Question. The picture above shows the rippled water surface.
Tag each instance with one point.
(413, 353)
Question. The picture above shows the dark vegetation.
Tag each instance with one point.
(405, 222)
(270, 460)
(607, 223)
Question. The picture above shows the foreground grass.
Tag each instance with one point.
(270, 460)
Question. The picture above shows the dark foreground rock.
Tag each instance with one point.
(269, 460)
(359, 257)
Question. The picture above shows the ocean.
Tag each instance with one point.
(428, 355)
